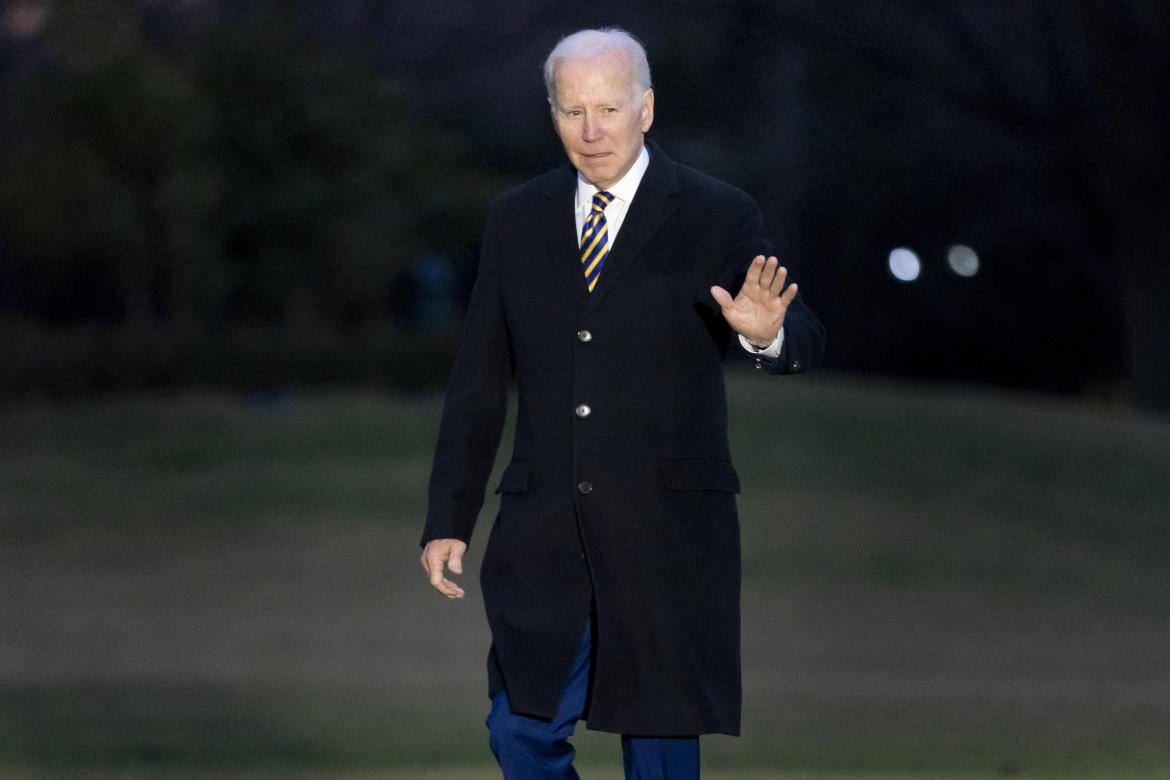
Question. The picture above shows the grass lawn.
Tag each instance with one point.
(938, 583)
(481, 773)
(474, 773)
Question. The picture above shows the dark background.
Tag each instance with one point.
(254, 195)
(236, 239)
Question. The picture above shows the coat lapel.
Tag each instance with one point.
(560, 230)
(653, 203)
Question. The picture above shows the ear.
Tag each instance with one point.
(647, 109)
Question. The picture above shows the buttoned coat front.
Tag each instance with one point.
(619, 497)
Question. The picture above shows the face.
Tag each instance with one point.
(601, 116)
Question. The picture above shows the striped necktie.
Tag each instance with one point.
(595, 239)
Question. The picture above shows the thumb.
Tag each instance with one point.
(721, 296)
(455, 564)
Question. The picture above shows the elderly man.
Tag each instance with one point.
(609, 292)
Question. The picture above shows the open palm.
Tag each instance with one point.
(757, 311)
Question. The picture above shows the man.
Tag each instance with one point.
(609, 291)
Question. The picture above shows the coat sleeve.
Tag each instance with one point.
(804, 335)
(475, 407)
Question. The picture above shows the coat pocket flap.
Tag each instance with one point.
(699, 474)
(515, 478)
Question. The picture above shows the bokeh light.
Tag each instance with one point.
(963, 260)
(904, 264)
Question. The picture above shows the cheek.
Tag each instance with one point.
(566, 132)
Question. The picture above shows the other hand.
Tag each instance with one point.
(437, 553)
(757, 311)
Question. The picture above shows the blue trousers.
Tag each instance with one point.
(535, 749)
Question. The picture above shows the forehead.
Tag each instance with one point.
(604, 75)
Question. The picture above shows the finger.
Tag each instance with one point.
(435, 570)
(768, 272)
(778, 281)
(789, 295)
(449, 589)
(431, 558)
(721, 296)
(455, 564)
(754, 270)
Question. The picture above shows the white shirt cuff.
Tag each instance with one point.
(771, 351)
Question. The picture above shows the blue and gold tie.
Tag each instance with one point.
(595, 239)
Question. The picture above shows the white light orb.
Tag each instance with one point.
(904, 264)
(963, 260)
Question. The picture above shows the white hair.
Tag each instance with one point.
(587, 44)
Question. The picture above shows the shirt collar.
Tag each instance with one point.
(625, 187)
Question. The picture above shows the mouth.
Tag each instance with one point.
(596, 155)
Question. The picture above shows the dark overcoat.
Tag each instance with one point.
(619, 498)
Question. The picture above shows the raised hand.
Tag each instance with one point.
(757, 311)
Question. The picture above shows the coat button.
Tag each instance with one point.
(584, 336)
(759, 363)
(583, 411)
(795, 365)
(584, 488)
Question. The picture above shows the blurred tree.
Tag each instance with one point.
(243, 172)
(286, 179)
(1122, 100)
(109, 123)
(319, 164)
(1039, 132)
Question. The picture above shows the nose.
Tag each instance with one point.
(590, 129)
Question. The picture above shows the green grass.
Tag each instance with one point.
(488, 773)
(938, 583)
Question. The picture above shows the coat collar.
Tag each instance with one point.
(652, 205)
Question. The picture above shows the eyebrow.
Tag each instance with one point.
(601, 103)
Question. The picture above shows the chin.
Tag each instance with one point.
(585, 164)
(598, 175)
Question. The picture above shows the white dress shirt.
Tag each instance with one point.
(623, 193)
(615, 214)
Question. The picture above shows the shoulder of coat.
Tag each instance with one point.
(559, 181)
